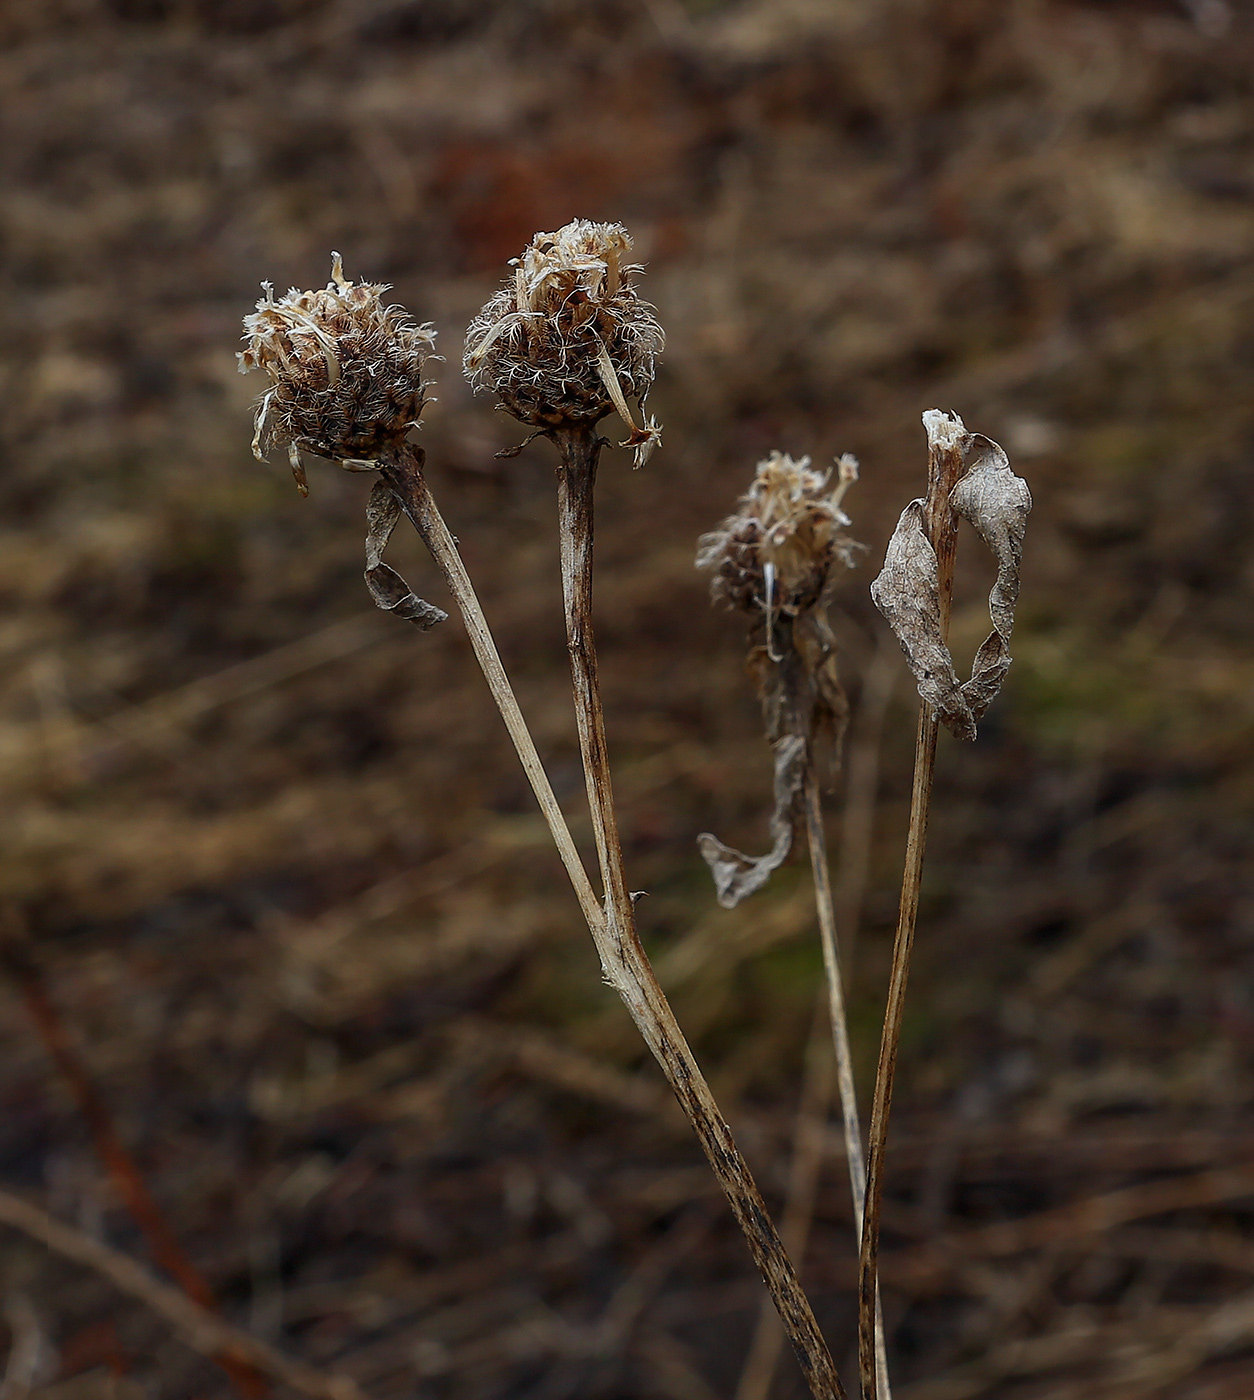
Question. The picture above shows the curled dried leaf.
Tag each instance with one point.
(737, 875)
(388, 589)
(996, 502)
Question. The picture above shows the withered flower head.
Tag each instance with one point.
(345, 371)
(566, 339)
(778, 550)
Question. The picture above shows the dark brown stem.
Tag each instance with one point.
(945, 465)
(623, 959)
(118, 1162)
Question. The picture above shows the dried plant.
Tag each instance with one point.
(969, 477)
(566, 339)
(590, 360)
(295, 341)
(564, 342)
(777, 559)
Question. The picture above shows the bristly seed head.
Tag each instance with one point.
(777, 552)
(345, 371)
(567, 340)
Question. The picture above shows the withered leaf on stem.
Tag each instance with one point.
(737, 875)
(388, 589)
(996, 502)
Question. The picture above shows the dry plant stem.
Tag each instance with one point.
(123, 1170)
(623, 959)
(199, 1328)
(403, 473)
(941, 523)
(809, 1150)
(817, 840)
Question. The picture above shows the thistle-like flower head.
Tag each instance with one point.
(567, 340)
(778, 550)
(346, 372)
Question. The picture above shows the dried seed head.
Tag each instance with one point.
(345, 371)
(567, 340)
(789, 530)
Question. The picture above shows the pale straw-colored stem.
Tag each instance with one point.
(623, 959)
(945, 465)
(817, 840)
(196, 1326)
(403, 473)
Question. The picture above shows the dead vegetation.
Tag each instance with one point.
(286, 891)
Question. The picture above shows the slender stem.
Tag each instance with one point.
(403, 473)
(623, 959)
(817, 840)
(945, 463)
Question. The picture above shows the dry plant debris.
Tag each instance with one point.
(346, 371)
(568, 339)
(996, 502)
(776, 559)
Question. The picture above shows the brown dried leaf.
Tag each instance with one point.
(907, 591)
(737, 875)
(388, 589)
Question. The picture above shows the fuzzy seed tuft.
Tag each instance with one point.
(789, 528)
(567, 340)
(346, 372)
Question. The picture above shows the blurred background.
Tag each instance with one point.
(268, 863)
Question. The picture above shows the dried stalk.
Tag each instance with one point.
(940, 524)
(123, 1170)
(402, 470)
(809, 1149)
(623, 959)
(817, 840)
(200, 1329)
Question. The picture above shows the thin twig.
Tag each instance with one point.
(945, 464)
(809, 1144)
(623, 959)
(817, 840)
(199, 1328)
(123, 1170)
